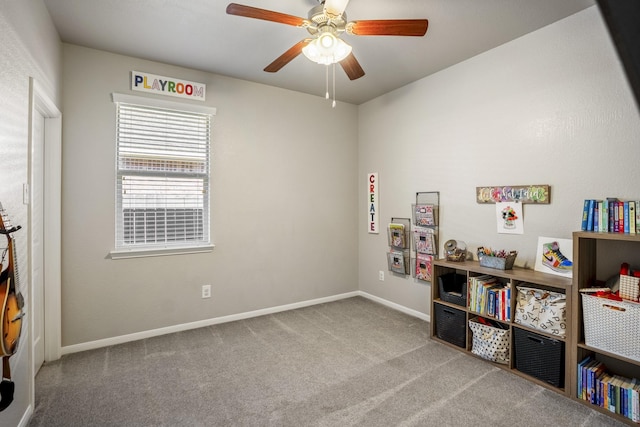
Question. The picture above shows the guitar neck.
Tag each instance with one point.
(13, 265)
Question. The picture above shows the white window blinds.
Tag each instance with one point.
(162, 188)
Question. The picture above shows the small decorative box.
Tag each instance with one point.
(501, 261)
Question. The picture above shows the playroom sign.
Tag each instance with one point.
(170, 86)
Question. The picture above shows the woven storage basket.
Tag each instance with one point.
(612, 325)
(539, 356)
(629, 288)
(490, 343)
(451, 325)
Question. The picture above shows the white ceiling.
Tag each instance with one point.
(199, 34)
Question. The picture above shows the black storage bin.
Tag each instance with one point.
(539, 356)
(453, 288)
(451, 325)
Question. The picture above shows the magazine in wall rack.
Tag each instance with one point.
(396, 262)
(424, 265)
(397, 237)
(425, 214)
(425, 240)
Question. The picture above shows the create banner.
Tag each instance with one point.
(372, 202)
(170, 86)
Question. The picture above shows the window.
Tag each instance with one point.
(162, 180)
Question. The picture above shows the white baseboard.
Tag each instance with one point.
(398, 307)
(91, 345)
(26, 417)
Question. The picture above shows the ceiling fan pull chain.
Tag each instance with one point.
(333, 104)
(326, 81)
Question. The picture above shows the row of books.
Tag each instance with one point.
(611, 215)
(489, 297)
(613, 392)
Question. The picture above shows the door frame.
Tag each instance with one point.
(41, 103)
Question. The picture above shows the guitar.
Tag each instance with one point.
(11, 315)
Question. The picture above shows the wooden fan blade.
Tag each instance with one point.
(287, 57)
(267, 15)
(389, 27)
(352, 67)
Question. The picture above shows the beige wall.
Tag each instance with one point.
(29, 47)
(288, 213)
(284, 201)
(552, 107)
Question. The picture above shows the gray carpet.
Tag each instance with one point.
(347, 363)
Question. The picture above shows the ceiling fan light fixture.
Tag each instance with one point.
(327, 49)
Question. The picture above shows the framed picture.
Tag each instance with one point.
(555, 256)
(509, 217)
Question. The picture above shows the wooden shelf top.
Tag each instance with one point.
(607, 236)
(517, 273)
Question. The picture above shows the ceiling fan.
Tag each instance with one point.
(325, 23)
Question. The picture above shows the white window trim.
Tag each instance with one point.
(151, 252)
(161, 103)
(116, 254)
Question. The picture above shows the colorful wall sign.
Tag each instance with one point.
(515, 193)
(372, 202)
(170, 86)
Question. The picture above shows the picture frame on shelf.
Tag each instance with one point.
(555, 256)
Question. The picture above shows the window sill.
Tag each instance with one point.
(144, 253)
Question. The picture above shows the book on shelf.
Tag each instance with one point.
(636, 402)
(632, 217)
(585, 215)
(611, 202)
(590, 215)
(582, 391)
(603, 390)
(491, 302)
(604, 216)
(613, 385)
(595, 373)
(625, 218)
(620, 216)
(580, 380)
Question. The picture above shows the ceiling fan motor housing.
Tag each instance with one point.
(322, 22)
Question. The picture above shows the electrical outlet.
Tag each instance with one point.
(381, 275)
(206, 291)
